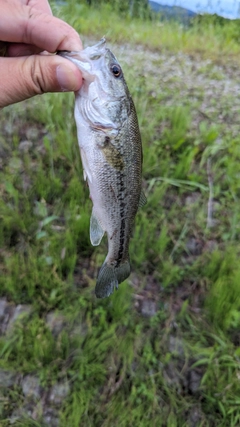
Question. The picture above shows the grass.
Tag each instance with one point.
(209, 37)
(163, 350)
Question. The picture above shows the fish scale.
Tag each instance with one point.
(111, 152)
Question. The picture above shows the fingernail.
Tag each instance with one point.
(67, 79)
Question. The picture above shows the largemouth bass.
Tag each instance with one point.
(111, 153)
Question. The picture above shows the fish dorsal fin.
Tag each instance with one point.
(142, 200)
(96, 231)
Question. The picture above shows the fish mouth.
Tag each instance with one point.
(83, 58)
(80, 60)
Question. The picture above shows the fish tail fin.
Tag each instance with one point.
(110, 277)
(123, 271)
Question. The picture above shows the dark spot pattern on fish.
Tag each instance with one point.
(112, 155)
(122, 201)
(107, 141)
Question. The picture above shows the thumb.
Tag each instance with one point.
(24, 77)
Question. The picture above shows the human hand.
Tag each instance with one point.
(29, 28)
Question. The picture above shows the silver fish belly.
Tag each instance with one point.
(111, 152)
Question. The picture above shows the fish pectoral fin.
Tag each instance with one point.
(86, 168)
(96, 231)
(142, 200)
(109, 278)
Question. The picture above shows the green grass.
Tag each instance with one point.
(125, 367)
(214, 37)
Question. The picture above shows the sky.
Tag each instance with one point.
(227, 8)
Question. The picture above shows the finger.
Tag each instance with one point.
(21, 49)
(24, 24)
(42, 5)
(24, 77)
(3, 48)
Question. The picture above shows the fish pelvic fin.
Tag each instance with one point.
(110, 277)
(96, 231)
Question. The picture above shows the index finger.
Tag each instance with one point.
(25, 24)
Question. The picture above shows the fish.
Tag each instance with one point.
(111, 153)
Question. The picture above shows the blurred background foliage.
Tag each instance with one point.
(134, 8)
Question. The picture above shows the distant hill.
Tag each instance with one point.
(172, 12)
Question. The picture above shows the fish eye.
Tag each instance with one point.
(116, 70)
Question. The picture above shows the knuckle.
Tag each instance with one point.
(33, 71)
(27, 29)
(37, 75)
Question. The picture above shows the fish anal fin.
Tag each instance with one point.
(96, 230)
